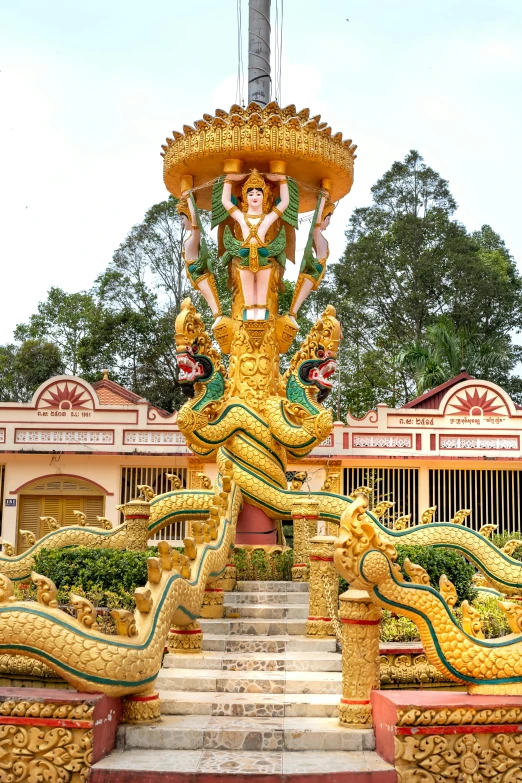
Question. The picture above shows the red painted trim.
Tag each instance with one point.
(154, 697)
(355, 701)
(298, 565)
(137, 516)
(348, 621)
(418, 441)
(61, 722)
(324, 619)
(463, 376)
(56, 476)
(346, 440)
(433, 441)
(214, 590)
(305, 516)
(186, 631)
(324, 559)
(502, 728)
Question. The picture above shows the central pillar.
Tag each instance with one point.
(305, 513)
(324, 587)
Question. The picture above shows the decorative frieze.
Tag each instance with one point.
(381, 441)
(103, 437)
(153, 438)
(505, 444)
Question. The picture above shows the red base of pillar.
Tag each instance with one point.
(255, 527)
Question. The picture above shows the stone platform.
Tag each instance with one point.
(260, 702)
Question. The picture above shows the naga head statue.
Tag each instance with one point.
(197, 359)
(315, 362)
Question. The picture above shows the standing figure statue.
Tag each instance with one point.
(196, 256)
(313, 267)
(257, 251)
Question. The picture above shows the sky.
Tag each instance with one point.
(90, 90)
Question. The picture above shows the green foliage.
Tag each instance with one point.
(395, 628)
(438, 562)
(501, 539)
(260, 565)
(108, 575)
(408, 262)
(494, 623)
(64, 320)
(23, 368)
(282, 565)
(241, 563)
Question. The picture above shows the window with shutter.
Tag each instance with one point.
(70, 505)
(94, 507)
(29, 517)
(49, 507)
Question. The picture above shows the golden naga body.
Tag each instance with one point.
(366, 556)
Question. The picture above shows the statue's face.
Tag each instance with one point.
(185, 222)
(325, 223)
(254, 200)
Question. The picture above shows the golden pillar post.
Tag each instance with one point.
(185, 639)
(141, 709)
(213, 607)
(305, 513)
(360, 621)
(137, 516)
(324, 587)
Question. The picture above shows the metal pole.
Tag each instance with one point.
(259, 51)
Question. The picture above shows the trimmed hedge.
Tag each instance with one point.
(436, 562)
(108, 573)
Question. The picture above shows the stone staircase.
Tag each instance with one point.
(261, 699)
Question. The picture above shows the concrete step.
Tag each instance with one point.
(250, 705)
(268, 611)
(272, 587)
(210, 732)
(254, 627)
(164, 766)
(272, 644)
(248, 681)
(263, 661)
(233, 599)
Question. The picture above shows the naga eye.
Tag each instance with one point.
(320, 353)
(194, 348)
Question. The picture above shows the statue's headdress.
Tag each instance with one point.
(182, 208)
(328, 208)
(256, 180)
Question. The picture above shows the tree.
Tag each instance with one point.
(64, 320)
(445, 351)
(407, 262)
(24, 368)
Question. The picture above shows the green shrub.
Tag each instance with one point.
(398, 629)
(260, 565)
(107, 577)
(282, 565)
(502, 538)
(494, 623)
(438, 562)
(241, 564)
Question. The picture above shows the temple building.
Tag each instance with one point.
(88, 447)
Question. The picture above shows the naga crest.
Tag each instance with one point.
(197, 359)
(315, 362)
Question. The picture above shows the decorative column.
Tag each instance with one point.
(185, 639)
(227, 580)
(305, 513)
(360, 620)
(324, 587)
(137, 515)
(141, 709)
(213, 607)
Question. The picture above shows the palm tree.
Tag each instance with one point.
(445, 351)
